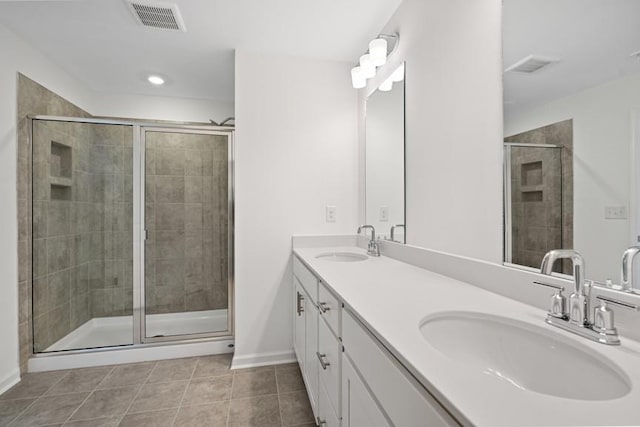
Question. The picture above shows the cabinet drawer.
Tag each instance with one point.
(306, 278)
(404, 400)
(329, 307)
(330, 359)
(326, 416)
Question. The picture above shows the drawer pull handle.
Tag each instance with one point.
(299, 307)
(323, 362)
(320, 422)
(324, 307)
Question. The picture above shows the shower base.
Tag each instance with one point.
(118, 330)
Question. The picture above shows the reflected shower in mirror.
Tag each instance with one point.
(571, 121)
(385, 162)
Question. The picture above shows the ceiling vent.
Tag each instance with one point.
(157, 14)
(531, 64)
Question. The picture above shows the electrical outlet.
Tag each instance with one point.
(384, 214)
(330, 212)
(615, 212)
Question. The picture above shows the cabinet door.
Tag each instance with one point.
(359, 409)
(311, 360)
(299, 316)
(326, 416)
(330, 355)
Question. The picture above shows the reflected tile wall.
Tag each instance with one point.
(544, 223)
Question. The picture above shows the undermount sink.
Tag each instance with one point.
(525, 356)
(342, 257)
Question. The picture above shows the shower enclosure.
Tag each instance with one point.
(533, 202)
(132, 227)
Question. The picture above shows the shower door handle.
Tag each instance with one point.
(299, 307)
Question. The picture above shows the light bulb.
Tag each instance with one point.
(378, 52)
(156, 80)
(386, 85)
(398, 74)
(357, 78)
(368, 69)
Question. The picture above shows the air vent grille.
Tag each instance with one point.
(531, 64)
(158, 15)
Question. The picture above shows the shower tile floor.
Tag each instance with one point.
(199, 391)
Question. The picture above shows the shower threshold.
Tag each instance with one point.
(118, 330)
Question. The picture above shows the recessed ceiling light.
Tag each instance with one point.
(155, 80)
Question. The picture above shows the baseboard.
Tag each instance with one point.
(10, 380)
(262, 359)
(121, 355)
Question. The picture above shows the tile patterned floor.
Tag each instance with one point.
(199, 391)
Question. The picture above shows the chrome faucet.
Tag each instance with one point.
(579, 299)
(598, 325)
(372, 249)
(393, 231)
(627, 278)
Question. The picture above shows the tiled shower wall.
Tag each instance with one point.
(32, 99)
(542, 223)
(187, 220)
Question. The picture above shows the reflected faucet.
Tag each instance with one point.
(627, 277)
(372, 249)
(393, 231)
(579, 300)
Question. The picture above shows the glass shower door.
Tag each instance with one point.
(82, 234)
(187, 247)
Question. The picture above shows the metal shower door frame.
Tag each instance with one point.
(139, 306)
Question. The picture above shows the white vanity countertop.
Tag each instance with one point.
(393, 297)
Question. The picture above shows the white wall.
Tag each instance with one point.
(296, 152)
(601, 166)
(452, 50)
(17, 56)
(159, 107)
(385, 159)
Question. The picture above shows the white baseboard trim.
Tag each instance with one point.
(262, 359)
(120, 355)
(10, 380)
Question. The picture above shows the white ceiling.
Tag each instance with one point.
(592, 38)
(100, 43)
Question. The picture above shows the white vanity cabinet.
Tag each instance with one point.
(316, 343)
(351, 378)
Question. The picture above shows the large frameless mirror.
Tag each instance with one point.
(571, 115)
(385, 178)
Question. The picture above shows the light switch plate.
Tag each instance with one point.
(384, 214)
(330, 212)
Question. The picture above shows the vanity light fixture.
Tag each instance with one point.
(155, 80)
(379, 49)
(358, 80)
(387, 85)
(398, 74)
(367, 67)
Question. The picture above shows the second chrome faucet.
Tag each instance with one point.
(372, 249)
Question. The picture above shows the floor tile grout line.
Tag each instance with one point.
(21, 413)
(137, 394)
(233, 379)
(88, 395)
(275, 373)
(184, 393)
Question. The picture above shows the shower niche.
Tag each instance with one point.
(131, 233)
